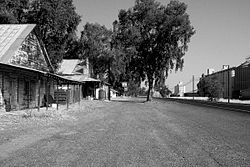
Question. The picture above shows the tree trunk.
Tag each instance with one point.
(109, 80)
(150, 86)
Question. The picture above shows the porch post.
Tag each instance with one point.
(47, 93)
(39, 93)
(67, 96)
(74, 93)
(79, 93)
(29, 93)
(3, 90)
(18, 87)
(57, 99)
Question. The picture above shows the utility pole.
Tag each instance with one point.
(228, 82)
(193, 87)
(228, 85)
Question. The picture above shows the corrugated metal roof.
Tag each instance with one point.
(68, 66)
(245, 64)
(81, 78)
(22, 67)
(58, 77)
(11, 37)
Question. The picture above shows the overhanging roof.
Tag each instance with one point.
(12, 66)
(41, 73)
(81, 78)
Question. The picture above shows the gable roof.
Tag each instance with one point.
(68, 66)
(12, 36)
(72, 69)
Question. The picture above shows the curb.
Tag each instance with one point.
(220, 105)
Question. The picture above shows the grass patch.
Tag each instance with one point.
(32, 113)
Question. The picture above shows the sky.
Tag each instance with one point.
(222, 32)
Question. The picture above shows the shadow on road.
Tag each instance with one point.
(130, 99)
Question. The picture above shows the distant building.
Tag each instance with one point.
(144, 84)
(242, 79)
(233, 80)
(226, 79)
(113, 93)
(210, 71)
(80, 70)
(179, 89)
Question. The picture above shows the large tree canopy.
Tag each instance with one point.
(158, 35)
(13, 11)
(56, 21)
(107, 60)
(96, 41)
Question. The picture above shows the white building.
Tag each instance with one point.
(179, 89)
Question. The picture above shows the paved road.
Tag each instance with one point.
(133, 133)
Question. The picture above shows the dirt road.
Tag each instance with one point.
(132, 133)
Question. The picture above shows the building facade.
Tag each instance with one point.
(234, 81)
(80, 71)
(225, 78)
(242, 80)
(27, 78)
(179, 89)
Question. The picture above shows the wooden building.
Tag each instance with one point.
(27, 78)
(80, 70)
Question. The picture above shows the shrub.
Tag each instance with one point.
(210, 87)
(164, 91)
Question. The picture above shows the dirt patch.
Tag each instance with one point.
(16, 123)
(32, 117)
(25, 140)
(19, 129)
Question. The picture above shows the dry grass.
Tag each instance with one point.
(33, 117)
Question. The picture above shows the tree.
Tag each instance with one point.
(164, 91)
(12, 12)
(133, 89)
(74, 49)
(142, 91)
(158, 35)
(210, 87)
(105, 56)
(56, 22)
(96, 40)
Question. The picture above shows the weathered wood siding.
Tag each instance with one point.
(21, 92)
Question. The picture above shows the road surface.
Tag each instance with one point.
(133, 133)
